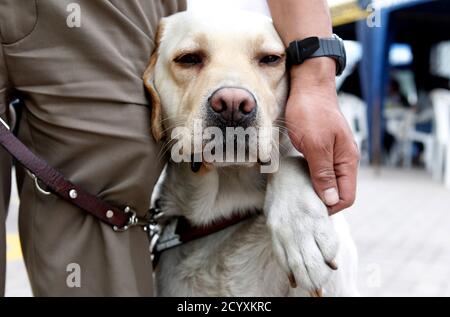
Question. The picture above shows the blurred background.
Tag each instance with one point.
(395, 96)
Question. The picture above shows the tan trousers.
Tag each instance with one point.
(5, 177)
(78, 69)
(5, 181)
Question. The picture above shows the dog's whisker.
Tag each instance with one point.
(288, 133)
(281, 120)
(165, 148)
(280, 127)
(175, 118)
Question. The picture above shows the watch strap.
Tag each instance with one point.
(312, 47)
(331, 48)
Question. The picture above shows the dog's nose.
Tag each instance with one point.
(233, 104)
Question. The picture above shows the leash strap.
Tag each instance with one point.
(177, 231)
(58, 185)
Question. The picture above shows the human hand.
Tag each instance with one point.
(319, 131)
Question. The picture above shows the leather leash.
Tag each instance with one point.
(176, 232)
(58, 185)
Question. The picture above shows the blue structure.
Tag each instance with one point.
(420, 23)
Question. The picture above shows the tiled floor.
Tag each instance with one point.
(16, 277)
(400, 222)
(401, 225)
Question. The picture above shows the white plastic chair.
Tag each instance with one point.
(355, 112)
(441, 104)
(354, 54)
(12, 114)
(401, 124)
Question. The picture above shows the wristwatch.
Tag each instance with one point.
(311, 47)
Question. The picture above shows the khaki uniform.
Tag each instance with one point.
(87, 114)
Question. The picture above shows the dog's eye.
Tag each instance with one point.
(189, 59)
(270, 59)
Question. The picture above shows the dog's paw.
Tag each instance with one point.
(304, 240)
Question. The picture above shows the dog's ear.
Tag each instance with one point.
(149, 82)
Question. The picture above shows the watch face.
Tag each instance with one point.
(344, 57)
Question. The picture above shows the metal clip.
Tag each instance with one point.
(135, 221)
(132, 221)
(36, 184)
(5, 124)
(154, 229)
(168, 238)
(154, 232)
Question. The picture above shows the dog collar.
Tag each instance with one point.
(176, 231)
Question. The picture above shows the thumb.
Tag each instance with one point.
(324, 180)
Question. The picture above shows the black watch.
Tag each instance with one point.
(299, 51)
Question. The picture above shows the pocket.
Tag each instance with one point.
(18, 19)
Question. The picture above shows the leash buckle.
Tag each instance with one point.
(133, 221)
(162, 237)
(168, 238)
(154, 228)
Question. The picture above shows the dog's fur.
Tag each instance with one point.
(294, 241)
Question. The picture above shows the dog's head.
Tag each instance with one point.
(216, 71)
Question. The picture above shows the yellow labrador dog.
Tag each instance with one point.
(229, 72)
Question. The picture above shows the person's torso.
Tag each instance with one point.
(97, 50)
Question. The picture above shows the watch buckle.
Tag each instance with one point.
(306, 48)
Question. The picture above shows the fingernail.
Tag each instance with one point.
(316, 293)
(331, 197)
(292, 280)
(333, 265)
